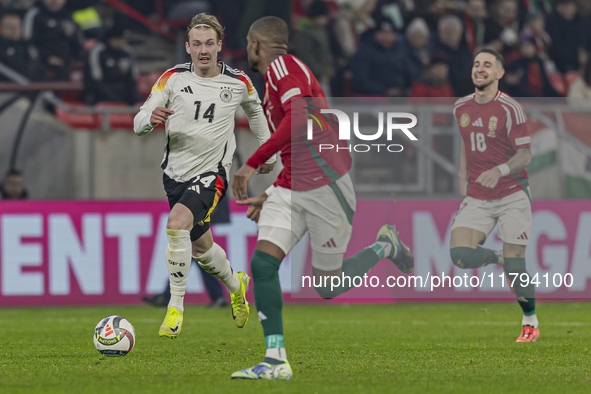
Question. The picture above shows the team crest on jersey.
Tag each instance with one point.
(465, 120)
(492, 126)
(226, 95)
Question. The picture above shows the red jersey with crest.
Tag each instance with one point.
(304, 166)
(492, 133)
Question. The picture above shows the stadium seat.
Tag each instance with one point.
(78, 121)
(118, 121)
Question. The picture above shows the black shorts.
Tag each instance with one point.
(201, 195)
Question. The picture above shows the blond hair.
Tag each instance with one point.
(205, 21)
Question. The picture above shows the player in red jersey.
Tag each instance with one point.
(313, 193)
(494, 154)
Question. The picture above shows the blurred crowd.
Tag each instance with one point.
(417, 48)
(424, 48)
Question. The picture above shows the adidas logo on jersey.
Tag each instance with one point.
(187, 90)
(478, 123)
(330, 244)
(523, 236)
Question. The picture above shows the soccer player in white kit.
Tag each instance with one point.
(197, 102)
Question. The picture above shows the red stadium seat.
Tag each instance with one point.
(118, 121)
(78, 121)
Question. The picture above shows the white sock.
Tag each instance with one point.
(530, 321)
(277, 353)
(178, 262)
(215, 262)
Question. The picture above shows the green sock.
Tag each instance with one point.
(267, 292)
(465, 257)
(526, 295)
(357, 265)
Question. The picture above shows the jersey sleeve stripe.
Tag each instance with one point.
(519, 113)
(271, 82)
(161, 82)
(304, 69)
(463, 100)
(509, 120)
(519, 117)
(518, 109)
(238, 74)
(459, 104)
(278, 73)
(282, 65)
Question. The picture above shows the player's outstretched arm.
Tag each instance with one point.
(144, 122)
(520, 160)
(154, 112)
(517, 163)
(240, 181)
(259, 127)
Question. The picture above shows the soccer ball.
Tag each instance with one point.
(114, 336)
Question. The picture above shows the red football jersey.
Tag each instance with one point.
(288, 77)
(492, 133)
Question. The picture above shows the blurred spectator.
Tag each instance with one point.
(535, 29)
(474, 24)
(14, 51)
(397, 11)
(89, 21)
(436, 81)
(352, 20)
(312, 42)
(53, 32)
(110, 73)
(13, 186)
(382, 66)
(543, 7)
(418, 37)
(459, 59)
(433, 10)
(502, 30)
(526, 76)
(582, 86)
(567, 30)
(6, 5)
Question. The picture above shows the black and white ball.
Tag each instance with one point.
(114, 336)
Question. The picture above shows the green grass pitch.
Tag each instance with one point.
(410, 348)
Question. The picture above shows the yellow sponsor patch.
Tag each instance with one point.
(464, 120)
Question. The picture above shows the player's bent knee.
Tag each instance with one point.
(461, 254)
(176, 224)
